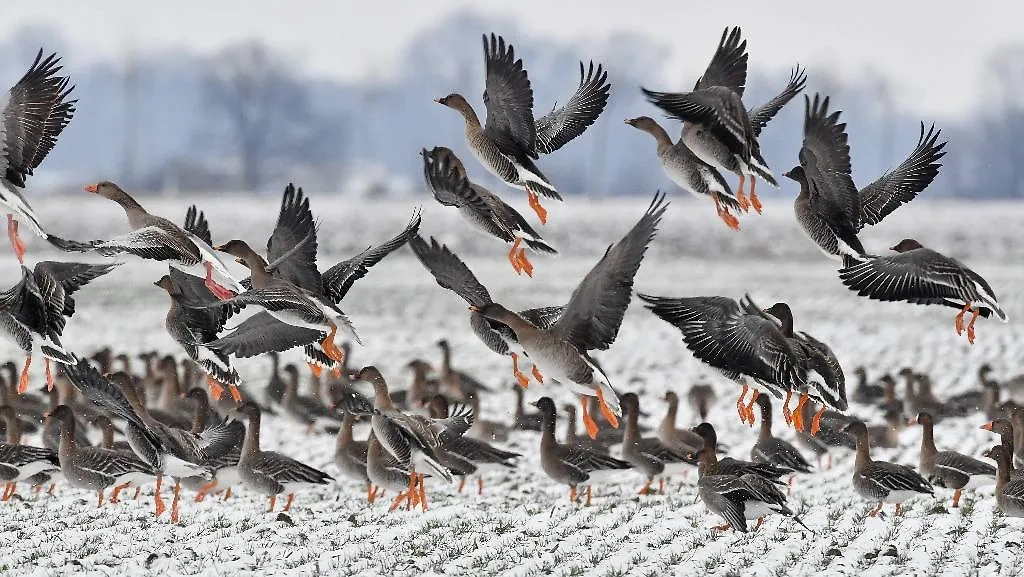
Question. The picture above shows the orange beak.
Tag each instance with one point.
(91, 188)
(911, 421)
(987, 426)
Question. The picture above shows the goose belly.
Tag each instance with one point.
(901, 496)
(708, 149)
(755, 509)
(29, 469)
(296, 318)
(561, 362)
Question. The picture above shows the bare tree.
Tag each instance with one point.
(259, 107)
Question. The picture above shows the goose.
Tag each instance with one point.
(451, 273)
(480, 454)
(773, 450)
(292, 251)
(701, 397)
(922, 276)
(590, 321)
(34, 311)
(511, 138)
(1009, 490)
(730, 466)
(883, 481)
(34, 113)
(22, 462)
(649, 455)
(447, 180)
(683, 440)
(949, 469)
(829, 208)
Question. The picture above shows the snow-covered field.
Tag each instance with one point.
(523, 524)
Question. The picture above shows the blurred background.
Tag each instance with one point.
(243, 96)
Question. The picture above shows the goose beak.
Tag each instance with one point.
(474, 308)
(533, 403)
(91, 188)
(439, 100)
(987, 426)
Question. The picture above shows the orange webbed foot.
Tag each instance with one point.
(524, 263)
(216, 389)
(536, 374)
(606, 410)
(534, 201)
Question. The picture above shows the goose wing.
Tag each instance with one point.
(508, 97)
(903, 183)
(556, 128)
(338, 279)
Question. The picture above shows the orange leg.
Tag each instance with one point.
(536, 374)
(398, 501)
(333, 352)
(754, 201)
(175, 500)
(798, 412)
(899, 509)
(99, 498)
(740, 197)
(8, 492)
(816, 421)
(462, 484)
(49, 373)
(413, 493)
(723, 213)
(23, 381)
(760, 520)
(606, 410)
(725, 527)
(371, 493)
(216, 390)
(117, 491)
(959, 322)
(661, 486)
(235, 393)
(588, 421)
(273, 503)
(956, 498)
(970, 326)
(589, 494)
(646, 489)
(534, 201)
(786, 413)
(138, 491)
(524, 262)
(523, 380)
(572, 493)
(876, 509)
(750, 406)
(37, 489)
(204, 489)
(16, 242)
(227, 494)
(479, 485)
(288, 503)
(215, 287)
(513, 257)
(740, 405)
(158, 501)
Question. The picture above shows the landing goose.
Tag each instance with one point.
(922, 276)
(591, 320)
(511, 138)
(447, 180)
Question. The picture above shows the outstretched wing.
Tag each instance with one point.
(556, 128)
(903, 183)
(508, 97)
(728, 66)
(449, 271)
(339, 278)
(292, 247)
(762, 115)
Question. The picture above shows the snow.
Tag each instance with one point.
(523, 524)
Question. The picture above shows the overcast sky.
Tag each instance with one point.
(932, 52)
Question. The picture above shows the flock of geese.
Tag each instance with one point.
(209, 442)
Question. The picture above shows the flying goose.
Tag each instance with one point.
(738, 339)
(33, 114)
(451, 273)
(590, 321)
(34, 311)
(830, 209)
(447, 180)
(922, 276)
(511, 138)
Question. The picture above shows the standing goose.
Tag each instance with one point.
(922, 276)
(682, 440)
(94, 468)
(350, 455)
(731, 466)
(866, 393)
(648, 455)
(387, 474)
(34, 311)
(33, 113)
(447, 180)
(193, 320)
(408, 437)
(735, 495)
(269, 472)
(301, 409)
(451, 273)
(740, 341)
(455, 383)
(773, 450)
(701, 397)
(521, 419)
(687, 170)
(571, 464)
(292, 251)
(949, 469)
(717, 126)
(21, 462)
(1006, 431)
(511, 138)
(590, 321)
(829, 208)
(1009, 489)
(883, 481)
(156, 238)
